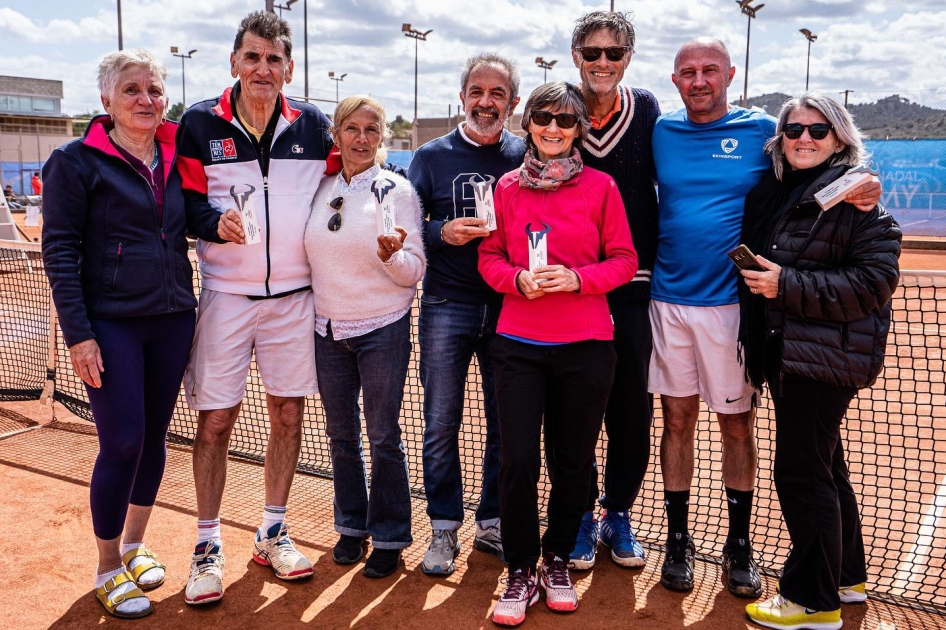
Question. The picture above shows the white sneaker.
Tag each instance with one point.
(560, 593)
(490, 540)
(205, 583)
(521, 592)
(439, 557)
(277, 550)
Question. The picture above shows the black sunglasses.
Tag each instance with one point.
(613, 53)
(335, 221)
(544, 119)
(817, 131)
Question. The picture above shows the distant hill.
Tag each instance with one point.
(892, 117)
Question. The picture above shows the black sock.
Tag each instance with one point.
(739, 503)
(677, 505)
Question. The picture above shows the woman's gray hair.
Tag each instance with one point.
(559, 95)
(853, 153)
(348, 106)
(114, 64)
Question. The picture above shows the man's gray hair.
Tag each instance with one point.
(619, 24)
(854, 152)
(266, 25)
(114, 64)
(558, 95)
(492, 59)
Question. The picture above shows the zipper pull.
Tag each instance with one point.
(164, 240)
(266, 183)
(119, 250)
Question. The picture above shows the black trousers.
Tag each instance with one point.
(814, 487)
(630, 411)
(568, 385)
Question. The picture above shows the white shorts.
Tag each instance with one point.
(229, 327)
(695, 352)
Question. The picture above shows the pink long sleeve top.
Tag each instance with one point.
(588, 233)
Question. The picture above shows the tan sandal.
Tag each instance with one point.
(150, 562)
(111, 600)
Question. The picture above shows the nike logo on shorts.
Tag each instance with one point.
(735, 399)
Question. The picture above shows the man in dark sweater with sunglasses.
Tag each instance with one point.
(622, 120)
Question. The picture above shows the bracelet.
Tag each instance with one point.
(442, 226)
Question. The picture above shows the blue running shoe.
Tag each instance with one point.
(583, 557)
(617, 533)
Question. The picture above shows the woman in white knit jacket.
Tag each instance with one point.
(364, 277)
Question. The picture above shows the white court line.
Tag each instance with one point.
(914, 565)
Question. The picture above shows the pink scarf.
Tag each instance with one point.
(548, 175)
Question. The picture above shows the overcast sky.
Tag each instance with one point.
(874, 48)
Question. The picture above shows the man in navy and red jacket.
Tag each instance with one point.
(255, 145)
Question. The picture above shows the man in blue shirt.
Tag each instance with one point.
(708, 156)
(458, 311)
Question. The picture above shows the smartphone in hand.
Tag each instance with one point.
(743, 258)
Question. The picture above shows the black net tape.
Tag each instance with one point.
(891, 435)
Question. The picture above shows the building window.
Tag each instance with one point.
(44, 105)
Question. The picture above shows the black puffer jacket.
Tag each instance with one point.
(830, 319)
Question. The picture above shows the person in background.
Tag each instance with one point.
(364, 283)
(251, 146)
(36, 184)
(814, 326)
(11, 198)
(116, 256)
(458, 310)
(561, 243)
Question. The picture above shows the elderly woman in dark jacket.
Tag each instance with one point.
(814, 326)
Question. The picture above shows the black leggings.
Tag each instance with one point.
(144, 360)
(814, 487)
(568, 385)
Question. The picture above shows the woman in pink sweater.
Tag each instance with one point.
(562, 242)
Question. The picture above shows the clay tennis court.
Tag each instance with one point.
(45, 465)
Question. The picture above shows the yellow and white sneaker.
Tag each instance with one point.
(277, 550)
(782, 614)
(856, 594)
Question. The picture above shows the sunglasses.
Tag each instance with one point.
(613, 53)
(817, 131)
(335, 221)
(544, 119)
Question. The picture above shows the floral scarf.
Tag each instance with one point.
(548, 175)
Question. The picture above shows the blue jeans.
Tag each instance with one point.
(376, 364)
(450, 333)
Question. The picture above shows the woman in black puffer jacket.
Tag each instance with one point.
(814, 326)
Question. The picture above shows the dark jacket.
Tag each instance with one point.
(104, 250)
(830, 319)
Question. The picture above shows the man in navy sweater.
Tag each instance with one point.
(458, 310)
(622, 120)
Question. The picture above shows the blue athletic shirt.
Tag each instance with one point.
(704, 172)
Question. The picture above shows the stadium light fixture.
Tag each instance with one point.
(546, 66)
(750, 11)
(811, 37)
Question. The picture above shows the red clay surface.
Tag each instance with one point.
(50, 555)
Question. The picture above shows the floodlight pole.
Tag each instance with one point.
(810, 37)
(337, 80)
(119, 24)
(750, 12)
(417, 36)
(183, 83)
(546, 66)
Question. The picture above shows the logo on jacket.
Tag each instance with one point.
(729, 145)
(297, 149)
(222, 150)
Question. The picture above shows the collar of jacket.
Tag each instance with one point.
(96, 137)
(224, 107)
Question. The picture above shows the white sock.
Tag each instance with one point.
(152, 575)
(272, 515)
(131, 606)
(208, 530)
